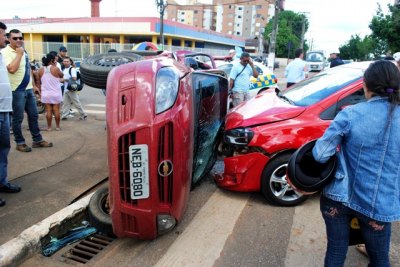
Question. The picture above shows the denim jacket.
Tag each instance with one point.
(367, 142)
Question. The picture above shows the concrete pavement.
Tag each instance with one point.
(51, 178)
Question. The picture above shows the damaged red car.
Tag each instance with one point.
(261, 134)
(164, 116)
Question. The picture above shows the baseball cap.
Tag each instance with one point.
(63, 49)
(232, 51)
(396, 56)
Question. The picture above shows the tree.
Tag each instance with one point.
(289, 30)
(385, 30)
(357, 48)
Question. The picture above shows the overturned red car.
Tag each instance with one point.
(164, 116)
(261, 134)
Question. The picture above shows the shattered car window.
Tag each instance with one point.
(210, 105)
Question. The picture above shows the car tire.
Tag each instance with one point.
(94, 69)
(98, 211)
(274, 185)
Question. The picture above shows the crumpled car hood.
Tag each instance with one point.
(262, 109)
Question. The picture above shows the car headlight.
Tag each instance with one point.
(240, 136)
(167, 84)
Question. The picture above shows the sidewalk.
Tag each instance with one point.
(51, 178)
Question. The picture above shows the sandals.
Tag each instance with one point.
(361, 248)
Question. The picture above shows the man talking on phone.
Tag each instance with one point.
(239, 79)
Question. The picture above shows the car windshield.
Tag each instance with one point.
(320, 86)
(315, 57)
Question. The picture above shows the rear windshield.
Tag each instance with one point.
(322, 85)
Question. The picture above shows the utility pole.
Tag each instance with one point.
(272, 42)
(161, 8)
(303, 29)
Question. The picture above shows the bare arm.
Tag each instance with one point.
(14, 65)
(255, 72)
(231, 81)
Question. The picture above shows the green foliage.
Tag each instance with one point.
(289, 30)
(357, 48)
(384, 38)
(386, 27)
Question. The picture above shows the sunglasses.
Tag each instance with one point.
(18, 38)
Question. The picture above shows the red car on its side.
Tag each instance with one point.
(164, 116)
(261, 134)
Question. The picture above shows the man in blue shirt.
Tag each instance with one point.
(239, 79)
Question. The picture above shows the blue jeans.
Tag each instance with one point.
(376, 234)
(25, 101)
(4, 145)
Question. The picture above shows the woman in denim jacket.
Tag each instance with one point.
(366, 138)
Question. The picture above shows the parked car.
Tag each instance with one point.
(164, 117)
(265, 80)
(261, 134)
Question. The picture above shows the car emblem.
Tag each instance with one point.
(165, 168)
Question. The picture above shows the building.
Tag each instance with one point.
(235, 17)
(92, 35)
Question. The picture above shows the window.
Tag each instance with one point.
(258, 6)
(196, 11)
(239, 17)
(237, 33)
(240, 8)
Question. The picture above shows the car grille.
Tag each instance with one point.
(164, 155)
(123, 160)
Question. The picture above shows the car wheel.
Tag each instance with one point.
(274, 185)
(94, 70)
(99, 211)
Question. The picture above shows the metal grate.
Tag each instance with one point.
(87, 248)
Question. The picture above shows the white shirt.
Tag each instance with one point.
(294, 71)
(67, 76)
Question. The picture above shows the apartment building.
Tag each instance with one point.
(235, 17)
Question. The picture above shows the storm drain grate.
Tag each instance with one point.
(87, 248)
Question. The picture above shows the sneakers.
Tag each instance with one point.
(42, 144)
(23, 148)
(69, 116)
(82, 118)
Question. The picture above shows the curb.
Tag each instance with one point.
(26, 244)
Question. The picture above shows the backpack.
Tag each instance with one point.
(76, 85)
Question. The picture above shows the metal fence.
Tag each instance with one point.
(78, 51)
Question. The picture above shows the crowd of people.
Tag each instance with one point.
(18, 85)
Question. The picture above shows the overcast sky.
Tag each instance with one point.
(332, 22)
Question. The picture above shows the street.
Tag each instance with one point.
(219, 228)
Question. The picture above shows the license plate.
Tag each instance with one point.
(139, 171)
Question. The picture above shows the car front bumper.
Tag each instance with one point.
(242, 172)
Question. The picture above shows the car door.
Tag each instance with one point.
(210, 98)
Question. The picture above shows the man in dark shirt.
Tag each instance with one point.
(335, 60)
